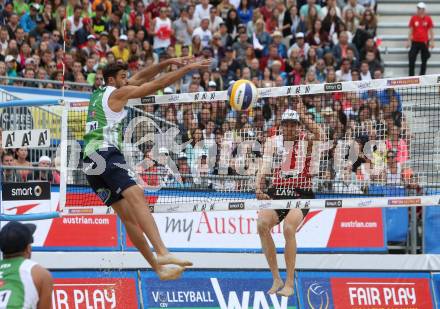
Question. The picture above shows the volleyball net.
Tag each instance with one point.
(378, 147)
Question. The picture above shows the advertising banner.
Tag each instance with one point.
(330, 230)
(431, 230)
(364, 290)
(215, 289)
(436, 287)
(86, 290)
(70, 233)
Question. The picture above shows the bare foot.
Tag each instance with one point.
(172, 259)
(277, 284)
(286, 291)
(170, 273)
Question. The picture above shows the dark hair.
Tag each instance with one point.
(112, 70)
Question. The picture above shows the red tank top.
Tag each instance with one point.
(299, 158)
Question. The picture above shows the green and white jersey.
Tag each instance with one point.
(17, 288)
(103, 126)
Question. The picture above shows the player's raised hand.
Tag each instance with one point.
(201, 64)
(181, 61)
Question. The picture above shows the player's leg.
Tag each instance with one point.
(291, 224)
(122, 208)
(267, 219)
(134, 195)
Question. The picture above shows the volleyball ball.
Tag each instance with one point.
(242, 95)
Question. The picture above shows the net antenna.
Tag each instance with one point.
(221, 171)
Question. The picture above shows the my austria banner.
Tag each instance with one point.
(329, 230)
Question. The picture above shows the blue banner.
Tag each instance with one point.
(397, 224)
(431, 230)
(216, 289)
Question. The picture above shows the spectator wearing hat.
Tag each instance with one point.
(90, 47)
(212, 86)
(120, 51)
(39, 30)
(277, 39)
(301, 45)
(42, 175)
(420, 38)
(81, 35)
(98, 22)
(105, 4)
(11, 66)
(184, 169)
(28, 20)
(203, 33)
(102, 47)
(26, 283)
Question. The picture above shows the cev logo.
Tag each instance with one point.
(317, 296)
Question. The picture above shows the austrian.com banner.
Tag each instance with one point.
(330, 230)
(87, 290)
(213, 290)
(325, 290)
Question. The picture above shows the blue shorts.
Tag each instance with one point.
(110, 184)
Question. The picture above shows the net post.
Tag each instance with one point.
(63, 154)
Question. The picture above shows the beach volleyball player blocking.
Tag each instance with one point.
(293, 151)
(114, 185)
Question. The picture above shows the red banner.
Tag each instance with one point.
(378, 293)
(86, 293)
(357, 228)
(83, 231)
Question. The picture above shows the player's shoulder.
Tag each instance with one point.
(40, 274)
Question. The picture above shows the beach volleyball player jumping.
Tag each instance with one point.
(115, 186)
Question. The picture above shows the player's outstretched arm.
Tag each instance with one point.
(150, 72)
(119, 97)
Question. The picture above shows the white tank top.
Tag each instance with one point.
(162, 27)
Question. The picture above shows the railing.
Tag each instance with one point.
(45, 81)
